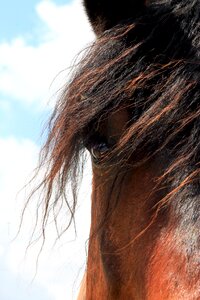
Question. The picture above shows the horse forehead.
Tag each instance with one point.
(114, 124)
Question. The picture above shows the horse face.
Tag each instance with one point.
(132, 242)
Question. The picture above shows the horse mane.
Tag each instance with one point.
(150, 65)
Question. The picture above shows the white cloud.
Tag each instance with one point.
(1, 250)
(16, 162)
(58, 267)
(26, 72)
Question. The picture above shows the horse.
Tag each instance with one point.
(133, 103)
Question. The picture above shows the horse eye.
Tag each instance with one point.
(98, 151)
(98, 146)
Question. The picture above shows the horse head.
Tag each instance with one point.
(133, 103)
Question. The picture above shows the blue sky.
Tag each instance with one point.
(19, 17)
(38, 39)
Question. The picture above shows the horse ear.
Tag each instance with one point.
(104, 14)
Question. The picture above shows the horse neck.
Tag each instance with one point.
(129, 254)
